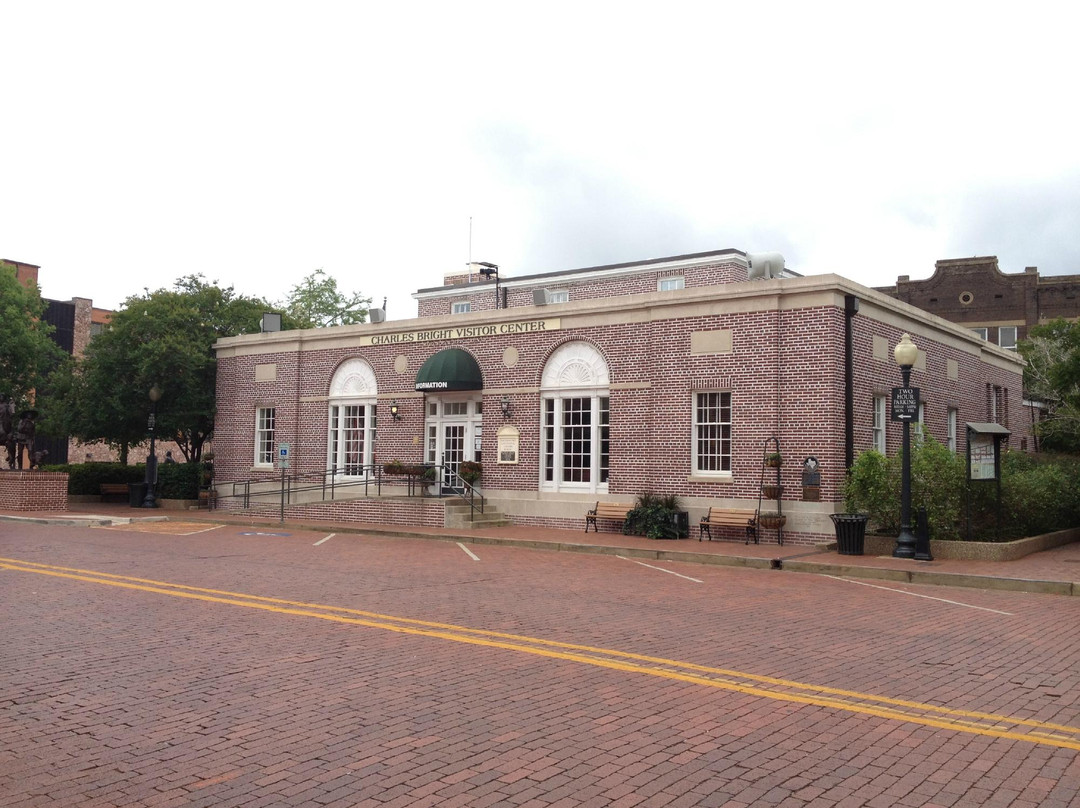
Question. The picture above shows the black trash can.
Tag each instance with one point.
(850, 532)
(680, 522)
(136, 494)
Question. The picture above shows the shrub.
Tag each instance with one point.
(470, 471)
(179, 480)
(653, 516)
(871, 488)
(86, 478)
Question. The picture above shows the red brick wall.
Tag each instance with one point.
(33, 491)
(785, 373)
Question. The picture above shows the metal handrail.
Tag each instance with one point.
(371, 475)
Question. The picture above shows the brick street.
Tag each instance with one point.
(231, 666)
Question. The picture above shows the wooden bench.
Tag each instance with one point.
(607, 510)
(729, 517)
(114, 490)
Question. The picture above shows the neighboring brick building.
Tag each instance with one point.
(638, 382)
(1000, 308)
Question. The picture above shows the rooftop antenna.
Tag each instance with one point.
(470, 249)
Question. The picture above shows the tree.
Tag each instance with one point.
(1052, 377)
(163, 338)
(315, 302)
(27, 353)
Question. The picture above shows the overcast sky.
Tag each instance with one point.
(255, 142)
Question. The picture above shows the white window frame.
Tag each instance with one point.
(461, 307)
(265, 436)
(878, 424)
(354, 388)
(672, 283)
(1008, 345)
(575, 370)
(981, 333)
(918, 434)
(558, 296)
(701, 437)
(950, 433)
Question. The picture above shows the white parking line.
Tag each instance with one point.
(669, 572)
(325, 538)
(468, 552)
(918, 595)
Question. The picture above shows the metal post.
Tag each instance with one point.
(905, 542)
(151, 460)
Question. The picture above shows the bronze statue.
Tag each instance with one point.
(7, 428)
(24, 433)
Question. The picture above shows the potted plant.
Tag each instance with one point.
(772, 491)
(394, 467)
(773, 460)
(772, 521)
(470, 471)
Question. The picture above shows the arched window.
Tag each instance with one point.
(574, 409)
(351, 433)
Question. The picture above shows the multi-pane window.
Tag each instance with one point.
(461, 307)
(980, 332)
(712, 433)
(1007, 337)
(576, 441)
(558, 296)
(264, 436)
(950, 436)
(672, 283)
(918, 432)
(352, 433)
(879, 424)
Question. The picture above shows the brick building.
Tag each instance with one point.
(999, 307)
(671, 375)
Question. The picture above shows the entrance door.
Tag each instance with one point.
(454, 429)
(453, 451)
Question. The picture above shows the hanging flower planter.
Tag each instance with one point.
(772, 521)
(773, 460)
(772, 491)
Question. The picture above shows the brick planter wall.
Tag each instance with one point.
(33, 491)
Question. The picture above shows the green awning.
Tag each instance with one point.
(450, 369)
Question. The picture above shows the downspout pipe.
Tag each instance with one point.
(851, 308)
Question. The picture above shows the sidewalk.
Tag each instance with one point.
(1055, 571)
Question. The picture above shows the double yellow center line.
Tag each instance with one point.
(978, 723)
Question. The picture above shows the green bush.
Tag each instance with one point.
(1039, 493)
(175, 480)
(86, 478)
(179, 480)
(873, 487)
(653, 516)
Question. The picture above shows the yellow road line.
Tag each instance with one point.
(979, 723)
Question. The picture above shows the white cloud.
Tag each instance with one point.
(257, 142)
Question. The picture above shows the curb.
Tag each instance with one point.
(798, 564)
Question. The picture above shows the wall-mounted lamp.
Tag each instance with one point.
(394, 410)
(504, 404)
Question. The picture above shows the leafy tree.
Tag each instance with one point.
(1052, 376)
(164, 339)
(315, 302)
(27, 354)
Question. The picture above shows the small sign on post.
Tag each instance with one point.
(905, 404)
(283, 455)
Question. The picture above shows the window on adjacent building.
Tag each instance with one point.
(558, 296)
(264, 436)
(672, 283)
(712, 433)
(950, 436)
(461, 307)
(1007, 337)
(879, 423)
(980, 332)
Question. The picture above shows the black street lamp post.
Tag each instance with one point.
(151, 460)
(905, 353)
